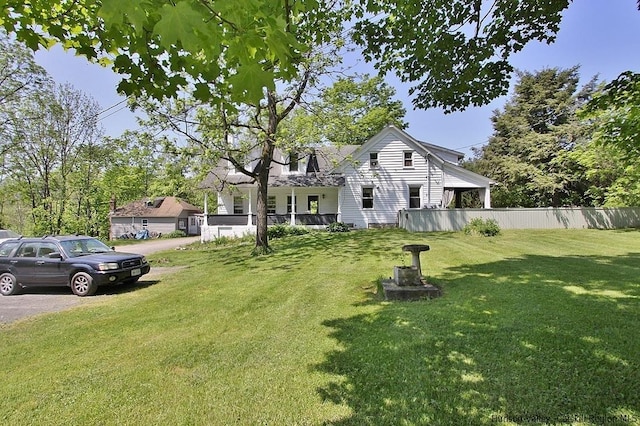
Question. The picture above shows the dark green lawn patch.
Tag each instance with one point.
(535, 327)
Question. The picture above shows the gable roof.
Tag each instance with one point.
(425, 149)
(158, 207)
(321, 161)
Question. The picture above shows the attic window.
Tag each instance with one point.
(293, 162)
(373, 160)
(408, 159)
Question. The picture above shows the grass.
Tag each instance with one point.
(535, 327)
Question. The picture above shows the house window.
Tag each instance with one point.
(182, 224)
(238, 205)
(367, 197)
(414, 197)
(408, 158)
(293, 162)
(373, 160)
(145, 223)
(271, 204)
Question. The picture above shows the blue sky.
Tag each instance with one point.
(602, 36)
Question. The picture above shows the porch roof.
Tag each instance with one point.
(307, 180)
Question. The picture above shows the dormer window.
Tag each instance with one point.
(373, 160)
(293, 162)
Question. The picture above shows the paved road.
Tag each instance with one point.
(37, 301)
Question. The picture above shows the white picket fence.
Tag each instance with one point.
(429, 220)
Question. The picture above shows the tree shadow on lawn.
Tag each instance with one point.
(531, 340)
(293, 252)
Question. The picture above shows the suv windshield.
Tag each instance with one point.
(83, 247)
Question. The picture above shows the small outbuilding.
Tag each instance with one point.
(158, 216)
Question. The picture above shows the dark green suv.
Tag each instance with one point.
(82, 263)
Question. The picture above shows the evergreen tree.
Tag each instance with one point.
(529, 152)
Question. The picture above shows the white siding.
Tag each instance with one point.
(455, 178)
(390, 182)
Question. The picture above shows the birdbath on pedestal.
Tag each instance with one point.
(408, 283)
(415, 250)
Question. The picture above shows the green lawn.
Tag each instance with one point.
(534, 327)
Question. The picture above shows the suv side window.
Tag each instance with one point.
(46, 248)
(28, 250)
(7, 248)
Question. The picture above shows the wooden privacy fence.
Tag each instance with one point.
(538, 218)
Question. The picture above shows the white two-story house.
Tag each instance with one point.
(363, 186)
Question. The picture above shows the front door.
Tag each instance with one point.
(313, 204)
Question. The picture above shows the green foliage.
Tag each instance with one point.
(479, 226)
(241, 46)
(456, 53)
(284, 230)
(178, 233)
(529, 153)
(611, 180)
(338, 227)
(351, 111)
(615, 112)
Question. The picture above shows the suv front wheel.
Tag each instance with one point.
(82, 284)
(8, 284)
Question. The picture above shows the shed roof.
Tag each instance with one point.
(158, 207)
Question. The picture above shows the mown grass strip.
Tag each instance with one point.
(537, 325)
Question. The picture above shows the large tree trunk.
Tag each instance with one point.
(262, 239)
(268, 145)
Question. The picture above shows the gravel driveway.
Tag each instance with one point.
(37, 301)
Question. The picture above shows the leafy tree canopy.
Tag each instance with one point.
(615, 112)
(455, 52)
(528, 154)
(164, 47)
(350, 111)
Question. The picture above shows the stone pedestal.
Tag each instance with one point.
(392, 291)
(406, 275)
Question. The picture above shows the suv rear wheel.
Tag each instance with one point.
(82, 284)
(8, 284)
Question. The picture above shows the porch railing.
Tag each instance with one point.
(273, 219)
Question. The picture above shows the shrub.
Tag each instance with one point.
(279, 231)
(338, 227)
(176, 234)
(488, 227)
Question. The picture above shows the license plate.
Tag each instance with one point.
(135, 272)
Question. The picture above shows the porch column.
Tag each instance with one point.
(339, 218)
(249, 216)
(485, 193)
(292, 221)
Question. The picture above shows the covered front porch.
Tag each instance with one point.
(313, 207)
